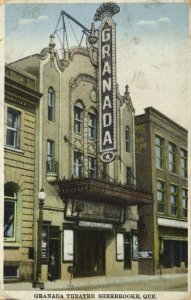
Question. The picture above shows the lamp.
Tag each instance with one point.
(38, 283)
(78, 209)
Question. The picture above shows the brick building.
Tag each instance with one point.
(161, 169)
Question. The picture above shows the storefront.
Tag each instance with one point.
(173, 246)
(99, 235)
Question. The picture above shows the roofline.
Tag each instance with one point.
(154, 110)
(36, 54)
(21, 71)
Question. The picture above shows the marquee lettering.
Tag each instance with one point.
(106, 35)
(106, 85)
(107, 119)
(106, 51)
(107, 138)
(107, 102)
(107, 88)
(106, 68)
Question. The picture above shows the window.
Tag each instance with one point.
(127, 139)
(11, 272)
(51, 104)
(12, 128)
(78, 118)
(50, 156)
(172, 157)
(10, 210)
(128, 175)
(92, 166)
(175, 252)
(127, 251)
(173, 200)
(160, 196)
(183, 162)
(184, 202)
(78, 166)
(92, 126)
(159, 152)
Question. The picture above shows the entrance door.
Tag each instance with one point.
(54, 248)
(90, 253)
(175, 252)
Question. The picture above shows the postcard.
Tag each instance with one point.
(95, 121)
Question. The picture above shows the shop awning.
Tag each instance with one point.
(95, 190)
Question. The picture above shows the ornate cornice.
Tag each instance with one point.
(89, 188)
(44, 53)
(69, 56)
(106, 10)
(127, 98)
(12, 99)
(78, 50)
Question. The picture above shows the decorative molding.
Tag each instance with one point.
(172, 223)
(20, 102)
(94, 56)
(44, 53)
(16, 176)
(69, 56)
(108, 9)
(74, 82)
(78, 50)
(127, 98)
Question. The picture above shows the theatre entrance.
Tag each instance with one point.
(54, 250)
(90, 253)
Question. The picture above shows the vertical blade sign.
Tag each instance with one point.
(107, 89)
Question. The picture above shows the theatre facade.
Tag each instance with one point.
(86, 159)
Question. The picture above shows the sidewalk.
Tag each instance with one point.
(96, 282)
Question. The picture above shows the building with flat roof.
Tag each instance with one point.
(21, 103)
(161, 169)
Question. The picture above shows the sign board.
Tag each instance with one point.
(95, 225)
(107, 86)
(98, 211)
(68, 247)
(135, 247)
(44, 249)
(120, 246)
(145, 254)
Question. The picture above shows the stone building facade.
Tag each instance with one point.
(161, 155)
(21, 102)
(90, 211)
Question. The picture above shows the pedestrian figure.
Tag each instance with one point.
(52, 267)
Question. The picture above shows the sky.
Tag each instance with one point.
(151, 42)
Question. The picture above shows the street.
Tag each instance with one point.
(157, 284)
(169, 282)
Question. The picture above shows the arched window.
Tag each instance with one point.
(10, 211)
(127, 139)
(78, 118)
(51, 104)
